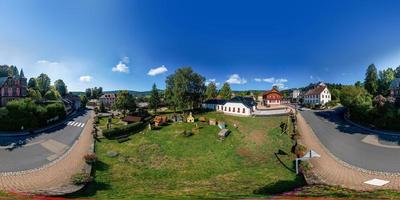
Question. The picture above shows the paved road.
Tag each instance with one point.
(34, 151)
(346, 142)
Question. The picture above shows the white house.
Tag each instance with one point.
(319, 95)
(212, 104)
(243, 106)
(295, 94)
(108, 99)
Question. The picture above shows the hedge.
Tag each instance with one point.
(124, 130)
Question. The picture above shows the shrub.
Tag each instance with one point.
(81, 178)
(90, 158)
(300, 150)
(118, 131)
(305, 166)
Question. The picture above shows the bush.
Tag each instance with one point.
(115, 132)
(90, 158)
(81, 178)
(300, 150)
(305, 166)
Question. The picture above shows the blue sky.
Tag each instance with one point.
(251, 44)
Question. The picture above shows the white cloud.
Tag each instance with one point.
(158, 70)
(235, 79)
(278, 82)
(86, 79)
(281, 80)
(212, 80)
(269, 80)
(258, 79)
(121, 67)
(46, 62)
(125, 60)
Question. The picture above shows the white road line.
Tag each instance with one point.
(73, 124)
(83, 124)
(78, 124)
(69, 123)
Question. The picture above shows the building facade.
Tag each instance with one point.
(107, 100)
(319, 95)
(12, 88)
(212, 104)
(272, 98)
(241, 106)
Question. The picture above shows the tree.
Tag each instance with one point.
(43, 82)
(102, 107)
(371, 80)
(385, 78)
(125, 102)
(397, 72)
(32, 84)
(154, 98)
(225, 91)
(211, 91)
(358, 84)
(34, 94)
(52, 95)
(84, 101)
(185, 89)
(60, 87)
(88, 93)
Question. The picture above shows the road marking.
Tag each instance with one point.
(70, 122)
(83, 124)
(54, 146)
(376, 182)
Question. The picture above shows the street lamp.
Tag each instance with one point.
(308, 155)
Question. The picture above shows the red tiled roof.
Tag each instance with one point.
(273, 90)
(316, 91)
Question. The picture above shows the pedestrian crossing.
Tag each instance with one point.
(76, 124)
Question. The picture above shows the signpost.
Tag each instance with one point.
(308, 155)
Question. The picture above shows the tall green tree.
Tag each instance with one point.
(52, 94)
(32, 84)
(225, 91)
(125, 102)
(43, 82)
(154, 101)
(61, 87)
(88, 93)
(184, 89)
(386, 77)
(34, 94)
(211, 91)
(84, 101)
(371, 79)
(397, 72)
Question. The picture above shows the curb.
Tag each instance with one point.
(368, 129)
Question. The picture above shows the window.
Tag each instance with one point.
(229, 109)
(233, 109)
(225, 108)
(244, 110)
(238, 110)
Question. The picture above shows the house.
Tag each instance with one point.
(71, 103)
(190, 118)
(272, 98)
(12, 87)
(211, 104)
(318, 95)
(107, 100)
(243, 106)
(295, 94)
(395, 88)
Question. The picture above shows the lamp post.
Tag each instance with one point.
(307, 156)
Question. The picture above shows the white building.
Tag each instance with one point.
(295, 94)
(319, 95)
(243, 106)
(108, 100)
(212, 104)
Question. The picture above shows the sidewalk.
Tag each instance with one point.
(55, 178)
(333, 171)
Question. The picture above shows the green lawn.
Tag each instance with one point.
(115, 122)
(163, 164)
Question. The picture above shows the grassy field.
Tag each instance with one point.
(115, 122)
(164, 164)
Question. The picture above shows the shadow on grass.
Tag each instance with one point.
(101, 166)
(89, 190)
(280, 186)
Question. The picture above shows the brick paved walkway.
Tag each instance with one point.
(57, 176)
(335, 172)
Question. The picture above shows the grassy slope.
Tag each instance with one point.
(164, 164)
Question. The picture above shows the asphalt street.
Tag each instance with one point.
(345, 142)
(34, 151)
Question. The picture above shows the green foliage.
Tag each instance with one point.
(94, 93)
(52, 94)
(43, 82)
(84, 101)
(122, 130)
(60, 87)
(32, 84)
(102, 107)
(125, 102)
(6, 70)
(184, 89)
(26, 113)
(211, 91)
(385, 78)
(154, 100)
(34, 94)
(371, 79)
(225, 91)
